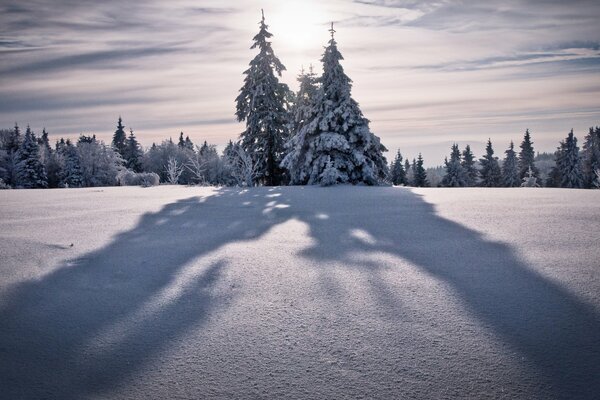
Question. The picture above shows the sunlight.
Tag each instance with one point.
(300, 25)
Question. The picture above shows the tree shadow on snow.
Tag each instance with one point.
(130, 299)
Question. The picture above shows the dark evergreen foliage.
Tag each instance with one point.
(398, 173)
(510, 168)
(527, 157)
(31, 172)
(491, 175)
(420, 175)
(119, 141)
(468, 164)
(455, 175)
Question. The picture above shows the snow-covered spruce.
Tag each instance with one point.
(335, 134)
(31, 172)
(263, 104)
(527, 157)
(455, 174)
(397, 171)
(510, 168)
(568, 163)
(491, 175)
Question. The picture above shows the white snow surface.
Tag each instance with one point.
(299, 293)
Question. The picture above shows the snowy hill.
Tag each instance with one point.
(299, 292)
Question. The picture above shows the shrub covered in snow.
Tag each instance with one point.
(130, 178)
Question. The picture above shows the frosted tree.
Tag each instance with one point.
(72, 174)
(491, 175)
(398, 174)
(568, 163)
(336, 134)
(133, 153)
(529, 180)
(527, 157)
(31, 172)
(455, 175)
(468, 164)
(263, 104)
(119, 141)
(409, 172)
(174, 170)
(303, 111)
(591, 157)
(242, 168)
(510, 168)
(420, 175)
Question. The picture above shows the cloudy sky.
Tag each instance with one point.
(426, 73)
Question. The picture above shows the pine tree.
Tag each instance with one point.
(302, 114)
(491, 175)
(455, 174)
(133, 153)
(263, 104)
(591, 157)
(527, 157)
(568, 163)
(72, 174)
(468, 164)
(420, 176)
(30, 170)
(397, 170)
(181, 142)
(120, 138)
(510, 168)
(337, 134)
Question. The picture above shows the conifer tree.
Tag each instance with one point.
(591, 158)
(133, 153)
(491, 175)
(181, 142)
(510, 168)
(530, 180)
(30, 170)
(409, 172)
(397, 171)
(72, 174)
(568, 163)
(45, 142)
(302, 113)
(263, 104)
(468, 164)
(527, 157)
(455, 174)
(420, 175)
(120, 138)
(188, 144)
(337, 134)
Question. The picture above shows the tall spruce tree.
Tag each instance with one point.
(591, 158)
(510, 168)
(181, 142)
(491, 175)
(398, 173)
(72, 173)
(263, 104)
(337, 136)
(302, 113)
(568, 163)
(455, 175)
(527, 157)
(133, 153)
(119, 141)
(30, 170)
(420, 175)
(468, 164)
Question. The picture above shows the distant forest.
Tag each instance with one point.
(317, 136)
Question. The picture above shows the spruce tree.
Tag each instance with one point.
(491, 175)
(263, 104)
(568, 163)
(188, 144)
(468, 164)
(409, 172)
(337, 135)
(527, 157)
(181, 142)
(591, 158)
(120, 138)
(397, 171)
(510, 168)
(31, 172)
(302, 113)
(420, 176)
(455, 174)
(72, 173)
(133, 153)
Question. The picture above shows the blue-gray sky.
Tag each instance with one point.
(426, 73)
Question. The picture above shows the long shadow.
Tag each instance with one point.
(96, 320)
(47, 325)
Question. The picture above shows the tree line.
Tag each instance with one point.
(568, 167)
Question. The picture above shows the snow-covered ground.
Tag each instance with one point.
(299, 292)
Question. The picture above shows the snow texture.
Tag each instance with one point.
(299, 292)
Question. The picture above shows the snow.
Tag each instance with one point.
(299, 292)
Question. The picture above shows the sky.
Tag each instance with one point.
(425, 73)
